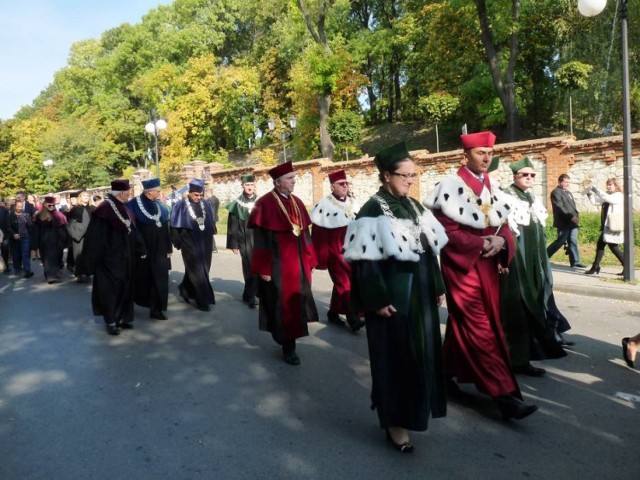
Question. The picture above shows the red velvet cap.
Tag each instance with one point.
(280, 170)
(479, 139)
(50, 200)
(337, 176)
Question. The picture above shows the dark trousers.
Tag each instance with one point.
(615, 249)
(21, 254)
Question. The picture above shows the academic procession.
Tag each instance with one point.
(450, 298)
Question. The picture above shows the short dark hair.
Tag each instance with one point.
(563, 177)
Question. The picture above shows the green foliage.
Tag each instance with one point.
(574, 75)
(439, 107)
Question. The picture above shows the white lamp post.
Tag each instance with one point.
(47, 164)
(589, 8)
(154, 128)
(293, 122)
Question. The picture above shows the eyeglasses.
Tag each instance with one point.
(406, 176)
(532, 175)
(342, 184)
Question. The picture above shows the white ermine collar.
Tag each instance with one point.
(458, 202)
(332, 213)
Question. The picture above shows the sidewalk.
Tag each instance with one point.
(606, 284)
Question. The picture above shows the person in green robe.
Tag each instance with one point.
(392, 247)
(530, 316)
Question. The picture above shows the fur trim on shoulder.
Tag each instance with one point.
(330, 213)
(523, 214)
(458, 202)
(380, 238)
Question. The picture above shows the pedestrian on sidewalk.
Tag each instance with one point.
(473, 213)
(283, 257)
(566, 220)
(611, 222)
(392, 247)
(530, 316)
(50, 238)
(19, 229)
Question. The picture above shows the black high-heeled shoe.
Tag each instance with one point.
(592, 270)
(406, 447)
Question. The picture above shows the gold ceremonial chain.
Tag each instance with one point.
(155, 218)
(296, 229)
(126, 221)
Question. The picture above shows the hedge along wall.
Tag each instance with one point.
(594, 159)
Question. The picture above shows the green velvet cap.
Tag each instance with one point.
(520, 164)
(493, 166)
(390, 155)
(247, 178)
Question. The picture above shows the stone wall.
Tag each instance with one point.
(584, 160)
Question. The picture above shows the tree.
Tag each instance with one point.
(439, 107)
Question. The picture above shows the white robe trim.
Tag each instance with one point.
(381, 237)
(523, 214)
(458, 202)
(331, 213)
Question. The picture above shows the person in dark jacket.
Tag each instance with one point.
(566, 220)
(78, 218)
(19, 229)
(240, 237)
(151, 277)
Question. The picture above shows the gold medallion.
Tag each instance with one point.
(296, 230)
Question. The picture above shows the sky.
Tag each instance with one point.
(36, 37)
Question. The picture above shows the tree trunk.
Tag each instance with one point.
(506, 90)
(326, 144)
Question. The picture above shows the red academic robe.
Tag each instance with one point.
(286, 302)
(475, 350)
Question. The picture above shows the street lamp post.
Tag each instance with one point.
(590, 8)
(283, 134)
(154, 128)
(47, 164)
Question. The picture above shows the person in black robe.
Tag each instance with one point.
(151, 273)
(109, 252)
(192, 234)
(50, 237)
(240, 237)
(78, 218)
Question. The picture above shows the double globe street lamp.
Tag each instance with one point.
(590, 8)
(283, 134)
(154, 128)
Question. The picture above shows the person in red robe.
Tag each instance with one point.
(330, 218)
(481, 246)
(283, 257)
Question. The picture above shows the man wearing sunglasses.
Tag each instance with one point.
(330, 218)
(566, 220)
(530, 316)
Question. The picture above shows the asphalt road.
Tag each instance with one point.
(206, 395)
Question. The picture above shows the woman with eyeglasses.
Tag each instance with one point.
(50, 238)
(611, 222)
(392, 247)
(528, 309)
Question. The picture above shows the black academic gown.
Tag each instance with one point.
(240, 237)
(109, 255)
(50, 238)
(195, 246)
(151, 274)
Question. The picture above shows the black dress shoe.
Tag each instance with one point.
(625, 352)
(579, 265)
(183, 293)
(512, 407)
(291, 358)
(334, 318)
(406, 447)
(126, 326)
(253, 303)
(530, 370)
(112, 329)
(203, 308)
(564, 342)
(157, 316)
(355, 322)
